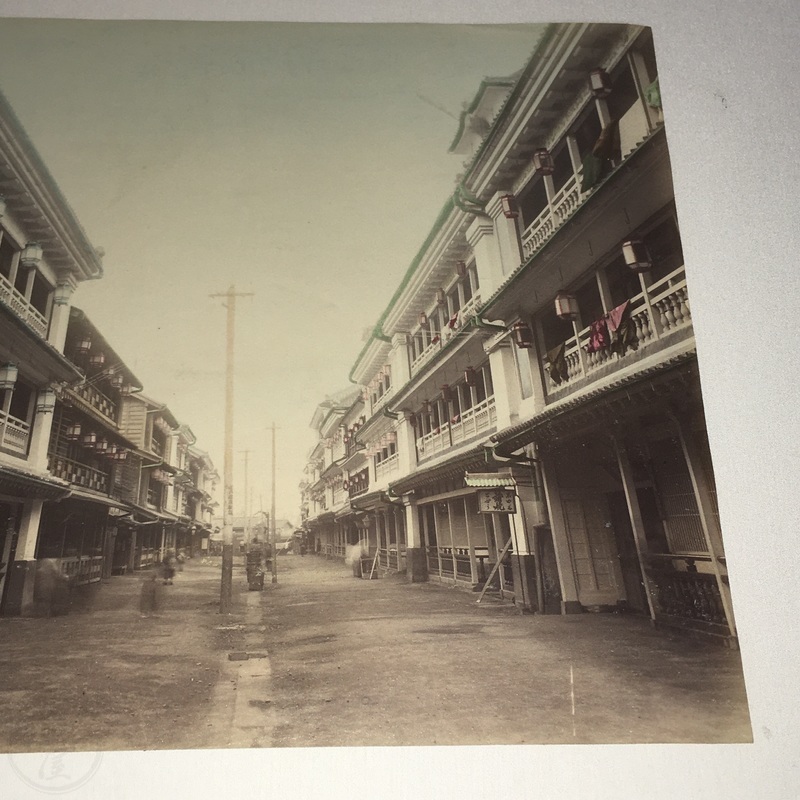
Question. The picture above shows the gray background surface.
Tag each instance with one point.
(728, 73)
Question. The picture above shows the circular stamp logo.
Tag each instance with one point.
(56, 773)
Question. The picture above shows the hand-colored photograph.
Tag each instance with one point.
(349, 394)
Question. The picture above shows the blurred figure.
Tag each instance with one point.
(51, 588)
(180, 560)
(150, 596)
(168, 569)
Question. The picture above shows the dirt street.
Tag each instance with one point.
(323, 658)
(384, 662)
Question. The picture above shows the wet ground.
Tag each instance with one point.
(326, 659)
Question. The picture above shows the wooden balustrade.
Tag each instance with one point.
(14, 434)
(23, 308)
(654, 315)
(687, 595)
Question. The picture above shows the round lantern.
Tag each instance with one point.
(509, 205)
(8, 376)
(31, 255)
(523, 335)
(600, 83)
(566, 306)
(636, 255)
(543, 161)
(423, 320)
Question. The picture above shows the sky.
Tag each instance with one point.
(302, 163)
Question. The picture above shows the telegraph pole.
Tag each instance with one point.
(226, 582)
(246, 504)
(272, 516)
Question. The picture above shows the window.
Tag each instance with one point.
(623, 283)
(40, 294)
(587, 131)
(562, 166)
(21, 401)
(532, 200)
(624, 93)
(664, 244)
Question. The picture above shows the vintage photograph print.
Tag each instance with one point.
(349, 395)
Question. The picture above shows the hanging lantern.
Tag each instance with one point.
(447, 395)
(46, 402)
(423, 320)
(112, 450)
(543, 161)
(101, 445)
(600, 83)
(89, 439)
(391, 437)
(73, 432)
(426, 406)
(31, 256)
(509, 205)
(8, 376)
(84, 345)
(117, 380)
(636, 255)
(441, 297)
(461, 268)
(566, 306)
(121, 455)
(523, 335)
(470, 377)
(62, 293)
(98, 360)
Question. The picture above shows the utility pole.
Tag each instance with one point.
(272, 516)
(226, 581)
(246, 504)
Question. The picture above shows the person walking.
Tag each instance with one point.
(150, 596)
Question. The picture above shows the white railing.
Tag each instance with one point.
(22, 307)
(655, 314)
(468, 310)
(437, 441)
(477, 419)
(387, 467)
(14, 434)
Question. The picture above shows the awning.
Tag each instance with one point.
(27, 486)
(489, 480)
(103, 500)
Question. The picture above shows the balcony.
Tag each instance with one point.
(98, 401)
(448, 332)
(660, 312)
(14, 434)
(634, 128)
(23, 308)
(79, 474)
(387, 467)
(476, 420)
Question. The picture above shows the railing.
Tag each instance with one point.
(437, 441)
(389, 558)
(387, 467)
(79, 474)
(81, 570)
(340, 550)
(633, 129)
(97, 400)
(432, 557)
(655, 314)
(688, 595)
(14, 434)
(22, 307)
(147, 557)
(455, 562)
(447, 333)
(475, 420)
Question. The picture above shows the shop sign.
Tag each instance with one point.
(496, 501)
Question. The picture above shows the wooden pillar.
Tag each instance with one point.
(558, 525)
(711, 531)
(473, 566)
(637, 524)
(452, 541)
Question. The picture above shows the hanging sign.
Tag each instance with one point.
(496, 501)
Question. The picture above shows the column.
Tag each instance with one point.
(59, 318)
(507, 232)
(506, 385)
(523, 562)
(22, 572)
(406, 446)
(635, 514)
(40, 439)
(481, 238)
(558, 525)
(702, 486)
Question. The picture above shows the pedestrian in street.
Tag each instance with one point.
(168, 569)
(50, 589)
(150, 596)
(180, 560)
